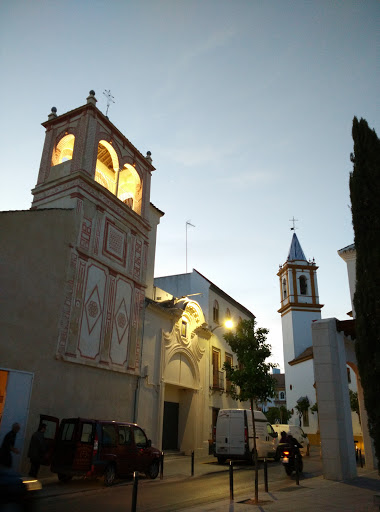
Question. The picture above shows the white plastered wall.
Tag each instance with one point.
(337, 443)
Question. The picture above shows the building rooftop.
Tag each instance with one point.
(304, 356)
(295, 251)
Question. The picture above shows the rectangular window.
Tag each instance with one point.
(184, 328)
(140, 438)
(124, 435)
(215, 312)
(51, 428)
(215, 368)
(348, 375)
(67, 431)
(108, 435)
(228, 382)
(86, 436)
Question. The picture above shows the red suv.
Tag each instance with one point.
(88, 447)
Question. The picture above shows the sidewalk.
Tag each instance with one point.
(314, 494)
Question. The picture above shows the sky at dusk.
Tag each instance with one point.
(246, 106)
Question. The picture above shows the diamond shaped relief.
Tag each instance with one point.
(93, 309)
(121, 320)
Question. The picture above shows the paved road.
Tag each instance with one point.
(175, 492)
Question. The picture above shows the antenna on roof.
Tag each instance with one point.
(110, 99)
(294, 223)
(188, 223)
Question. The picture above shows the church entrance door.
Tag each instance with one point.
(170, 426)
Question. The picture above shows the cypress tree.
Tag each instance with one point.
(365, 206)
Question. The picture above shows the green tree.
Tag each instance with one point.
(282, 414)
(302, 406)
(250, 378)
(354, 402)
(365, 207)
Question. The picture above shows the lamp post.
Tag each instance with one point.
(228, 324)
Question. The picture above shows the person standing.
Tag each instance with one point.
(37, 450)
(8, 446)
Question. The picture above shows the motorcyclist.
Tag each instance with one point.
(294, 444)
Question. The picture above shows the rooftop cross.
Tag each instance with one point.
(110, 99)
(294, 223)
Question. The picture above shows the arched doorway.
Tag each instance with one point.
(180, 402)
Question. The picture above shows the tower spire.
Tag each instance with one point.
(295, 251)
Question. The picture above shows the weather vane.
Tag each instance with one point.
(294, 223)
(110, 99)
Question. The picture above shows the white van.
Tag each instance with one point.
(296, 432)
(234, 436)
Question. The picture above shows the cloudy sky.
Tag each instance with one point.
(246, 106)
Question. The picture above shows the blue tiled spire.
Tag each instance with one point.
(295, 251)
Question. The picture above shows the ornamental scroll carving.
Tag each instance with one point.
(184, 335)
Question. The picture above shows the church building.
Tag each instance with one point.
(74, 277)
(86, 331)
(299, 308)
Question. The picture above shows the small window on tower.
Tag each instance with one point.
(284, 292)
(303, 285)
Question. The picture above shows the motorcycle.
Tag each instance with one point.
(290, 457)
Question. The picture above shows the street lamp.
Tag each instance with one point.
(228, 324)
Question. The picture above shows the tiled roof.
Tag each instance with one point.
(295, 251)
(280, 378)
(304, 356)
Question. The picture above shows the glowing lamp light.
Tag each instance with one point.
(228, 324)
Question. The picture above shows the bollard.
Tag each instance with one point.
(162, 466)
(297, 470)
(360, 458)
(134, 492)
(231, 481)
(266, 474)
(192, 463)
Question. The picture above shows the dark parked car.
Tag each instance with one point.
(17, 493)
(79, 446)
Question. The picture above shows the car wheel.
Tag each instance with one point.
(221, 459)
(64, 478)
(153, 470)
(109, 475)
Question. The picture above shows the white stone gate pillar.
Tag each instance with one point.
(337, 441)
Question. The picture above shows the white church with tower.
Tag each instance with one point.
(300, 307)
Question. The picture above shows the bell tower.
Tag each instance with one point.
(93, 172)
(299, 301)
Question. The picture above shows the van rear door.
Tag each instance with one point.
(237, 432)
(222, 434)
(52, 425)
(84, 445)
(230, 433)
(74, 446)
